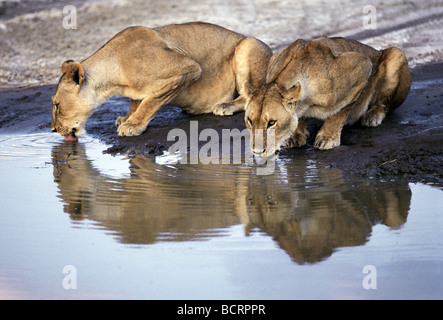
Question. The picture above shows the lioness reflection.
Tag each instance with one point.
(309, 211)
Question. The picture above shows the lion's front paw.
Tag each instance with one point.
(129, 129)
(120, 120)
(296, 140)
(224, 109)
(373, 117)
(324, 142)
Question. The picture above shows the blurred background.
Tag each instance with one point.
(34, 40)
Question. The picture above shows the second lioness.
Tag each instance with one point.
(333, 79)
(197, 66)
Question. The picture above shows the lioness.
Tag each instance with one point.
(197, 66)
(333, 79)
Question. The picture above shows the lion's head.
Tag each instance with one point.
(70, 109)
(270, 107)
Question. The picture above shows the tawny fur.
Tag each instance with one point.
(336, 80)
(197, 66)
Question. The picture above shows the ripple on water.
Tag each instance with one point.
(35, 145)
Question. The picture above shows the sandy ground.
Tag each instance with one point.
(34, 43)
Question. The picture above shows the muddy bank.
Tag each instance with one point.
(408, 143)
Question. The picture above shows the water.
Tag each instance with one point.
(127, 227)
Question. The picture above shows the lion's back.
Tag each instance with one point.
(202, 41)
(340, 45)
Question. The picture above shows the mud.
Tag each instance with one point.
(33, 44)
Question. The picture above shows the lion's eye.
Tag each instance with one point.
(250, 122)
(271, 123)
(56, 106)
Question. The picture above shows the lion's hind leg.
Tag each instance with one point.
(392, 84)
(375, 115)
(250, 62)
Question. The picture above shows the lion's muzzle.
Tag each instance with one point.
(262, 142)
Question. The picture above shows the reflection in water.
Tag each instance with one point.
(309, 211)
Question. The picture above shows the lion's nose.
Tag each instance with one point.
(53, 129)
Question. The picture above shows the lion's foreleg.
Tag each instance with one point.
(132, 109)
(329, 134)
(163, 92)
(168, 83)
(137, 122)
(298, 138)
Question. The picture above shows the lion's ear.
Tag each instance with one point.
(248, 89)
(74, 72)
(65, 65)
(291, 96)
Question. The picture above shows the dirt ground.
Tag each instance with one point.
(33, 44)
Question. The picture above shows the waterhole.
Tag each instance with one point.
(143, 227)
